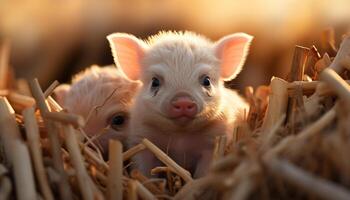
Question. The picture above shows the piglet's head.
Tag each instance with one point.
(182, 73)
(103, 96)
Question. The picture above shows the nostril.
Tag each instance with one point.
(190, 107)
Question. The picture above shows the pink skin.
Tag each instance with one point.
(94, 87)
(182, 104)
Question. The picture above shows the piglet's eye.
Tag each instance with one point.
(155, 83)
(117, 121)
(206, 81)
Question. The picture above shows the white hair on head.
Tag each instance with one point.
(179, 48)
(185, 36)
(99, 81)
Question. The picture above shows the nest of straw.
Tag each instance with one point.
(294, 143)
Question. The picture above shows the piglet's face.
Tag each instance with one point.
(181, 73)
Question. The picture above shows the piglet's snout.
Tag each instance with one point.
(183, 106)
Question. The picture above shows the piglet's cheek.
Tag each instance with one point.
(93, 127)
(110, 134)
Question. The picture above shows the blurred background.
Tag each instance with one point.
(55, 39)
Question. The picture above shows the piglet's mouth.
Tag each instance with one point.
(182, 120)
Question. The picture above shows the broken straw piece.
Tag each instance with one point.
(51, 88)
(132, 190)
(32, 132)
(278, 101)
(305, 181)
(8, 105)
(5, 187)
(4, 64)
(54, 105)
(21, 99)
(17, 153)
(310, 87)
(342, 59)
(323, 63)
(298, 63)
(167, 160)
(143, 192)
(132, 151)
(197, 185)
(339, 85)
(136, 174)
(78, 162)
(115, 173)
(67, 118)
(220, 145)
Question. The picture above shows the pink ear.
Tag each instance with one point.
(60, 93)
(127, 52)
(232, 51)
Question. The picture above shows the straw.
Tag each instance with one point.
(114, 184)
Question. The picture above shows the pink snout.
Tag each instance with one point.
(183, 107)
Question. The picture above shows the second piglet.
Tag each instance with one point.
(103, 96)
(182, 105)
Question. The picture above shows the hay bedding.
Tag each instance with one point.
(294, 143)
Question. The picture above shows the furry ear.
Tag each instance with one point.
(60, 93)
(128, 52)
(232, 51)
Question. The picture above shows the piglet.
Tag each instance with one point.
(182, 104)
(103, 96)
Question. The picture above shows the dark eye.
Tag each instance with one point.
(206, 81)
(117, 121)
(155, 83)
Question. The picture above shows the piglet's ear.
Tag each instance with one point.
(232, 51)
(128, 52)
(60, 93)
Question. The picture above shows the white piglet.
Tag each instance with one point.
(182, 104)
(103, 96)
